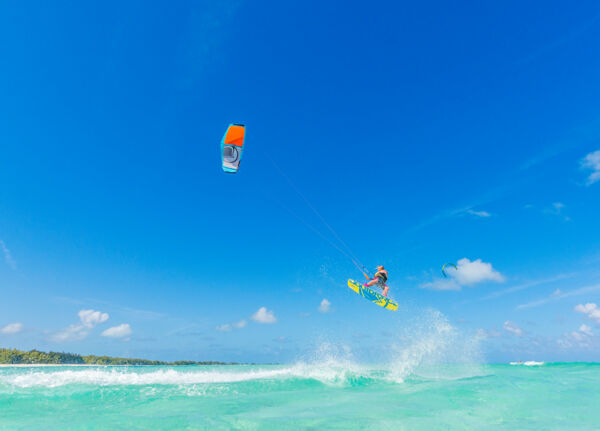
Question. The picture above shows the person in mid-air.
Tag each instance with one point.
(380, 279)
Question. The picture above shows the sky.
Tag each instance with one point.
(421, 133)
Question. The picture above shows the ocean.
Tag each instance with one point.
(327, 395)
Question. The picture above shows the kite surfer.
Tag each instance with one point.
(380, 279)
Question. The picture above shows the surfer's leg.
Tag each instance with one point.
(385, 290)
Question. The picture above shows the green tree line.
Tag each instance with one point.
(14, 356)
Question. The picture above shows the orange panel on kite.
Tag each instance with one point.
(235, 135)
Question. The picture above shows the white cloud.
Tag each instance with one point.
(118, 331)
(7, 256)
(470, 273)
(225, 327)
(325, 306)
(592, 161)
(513, 328)
(88, 320)
(12, 328)
(586, 330)
(264, 316)
(467, 274)
(91, 318)
(590, 309)
(479, 213)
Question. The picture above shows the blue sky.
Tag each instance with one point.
(423, 133)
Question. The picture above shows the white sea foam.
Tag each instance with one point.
(328, 373)
(130, 376)
(528, 363)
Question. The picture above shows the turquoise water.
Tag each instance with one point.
(305, 396)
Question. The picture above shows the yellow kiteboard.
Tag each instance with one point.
(372, 296)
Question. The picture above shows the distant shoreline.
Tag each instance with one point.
(57, 365)
(14, 357)
(92, 365)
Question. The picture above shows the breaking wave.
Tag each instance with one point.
(127, 376)
(430, 348)
(528, 363)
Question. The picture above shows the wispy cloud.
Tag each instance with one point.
(441, 284)
(134, 313)
(592, 162)
(515, 178)
(509, 183)
(324, 306)
(560, 295)
(88, 319)
(527, 285)
(262, 315)
(187, 330)
(8, 256)
(226, 327)
(585, 329)
(561, 40)
(557, 209)
(513, 328)
(456, 212)
(119, 331)
(144, 314)
(580, 338)
(241, 324)
(492, 333)
(478, 213)
(12, 328)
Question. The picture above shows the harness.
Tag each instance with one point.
(381, 276)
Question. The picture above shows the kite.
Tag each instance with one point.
(444, 268)
(232, 145)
